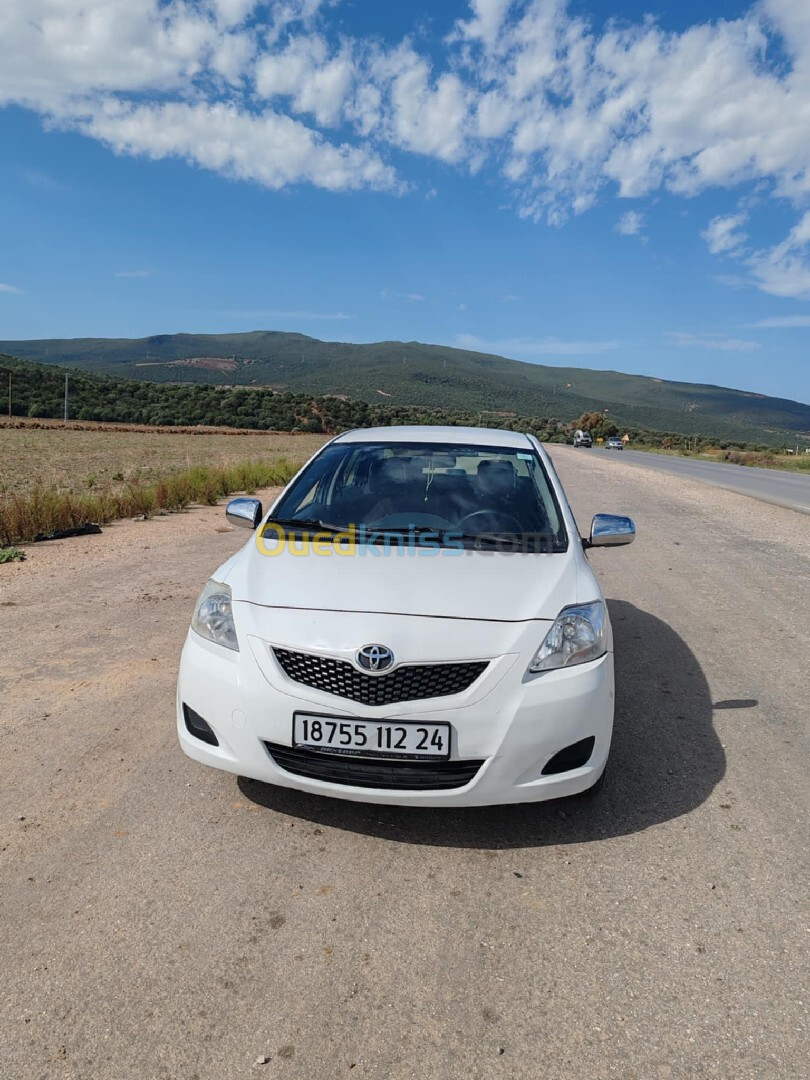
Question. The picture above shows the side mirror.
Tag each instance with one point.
(610, 530)
(246, 513)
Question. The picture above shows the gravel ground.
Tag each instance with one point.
(158, 919)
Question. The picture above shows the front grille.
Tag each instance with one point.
(411, 682)
(390, 775)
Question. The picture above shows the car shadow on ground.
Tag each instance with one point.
(665, 761)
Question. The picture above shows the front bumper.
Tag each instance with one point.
(514, 724)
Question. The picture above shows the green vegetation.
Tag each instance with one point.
(599, 425)
(37, 391)
(24, 516)
(431, 379)
(11, 554)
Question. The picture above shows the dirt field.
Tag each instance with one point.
(102, 458)
(163, 920)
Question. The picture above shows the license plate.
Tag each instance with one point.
(372, 738)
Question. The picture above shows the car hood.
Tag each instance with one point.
(443, 583)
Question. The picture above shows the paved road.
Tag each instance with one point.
(769, 485)
(161, 920)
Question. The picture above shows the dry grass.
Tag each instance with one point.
(766, 460)
(44, 510)
(103, 459)
(52, 477)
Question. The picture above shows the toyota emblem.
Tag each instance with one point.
(374, 658)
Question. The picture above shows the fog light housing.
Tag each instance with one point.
(196, 726)
(571, 757)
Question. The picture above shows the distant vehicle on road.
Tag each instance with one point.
(414, 622)
(614, 443)
(582, 438)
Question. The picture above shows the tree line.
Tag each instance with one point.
(37, 390)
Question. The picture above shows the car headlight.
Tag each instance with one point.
(579, 634)
(213, 618)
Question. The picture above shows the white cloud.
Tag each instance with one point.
(563, 114)
(146, 77)
(486, 23)
(511, 298)
(417, 112)
(781, 270)
(9, 289)
(630, 224)
(493, 114)
(304, 71)
(640, 108)
(231, 57)
(782, 322)
(531, 348)
(710, 341)
(55, 51)
(233, 12)
(271, 149)
(724, 235)
(133, 273)
(784, 270)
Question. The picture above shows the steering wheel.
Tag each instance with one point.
(498, 515)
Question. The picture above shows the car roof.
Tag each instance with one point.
(458, 436)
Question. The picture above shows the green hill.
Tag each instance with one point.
(430, 377)
(37, 390)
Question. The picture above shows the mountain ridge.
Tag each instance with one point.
(422, 374)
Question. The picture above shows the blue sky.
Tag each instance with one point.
(620, 185)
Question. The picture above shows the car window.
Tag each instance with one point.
(462, 492)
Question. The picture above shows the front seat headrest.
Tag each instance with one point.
(386, 474)
(497, 476)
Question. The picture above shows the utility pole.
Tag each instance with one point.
(9, 395)
(66, 398)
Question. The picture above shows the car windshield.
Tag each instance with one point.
(455, 495)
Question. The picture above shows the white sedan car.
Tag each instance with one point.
(413, 622)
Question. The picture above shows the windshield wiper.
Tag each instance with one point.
(403, 530)
(529, 542)
(447, 537)
(487, 538)
(306, 523)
